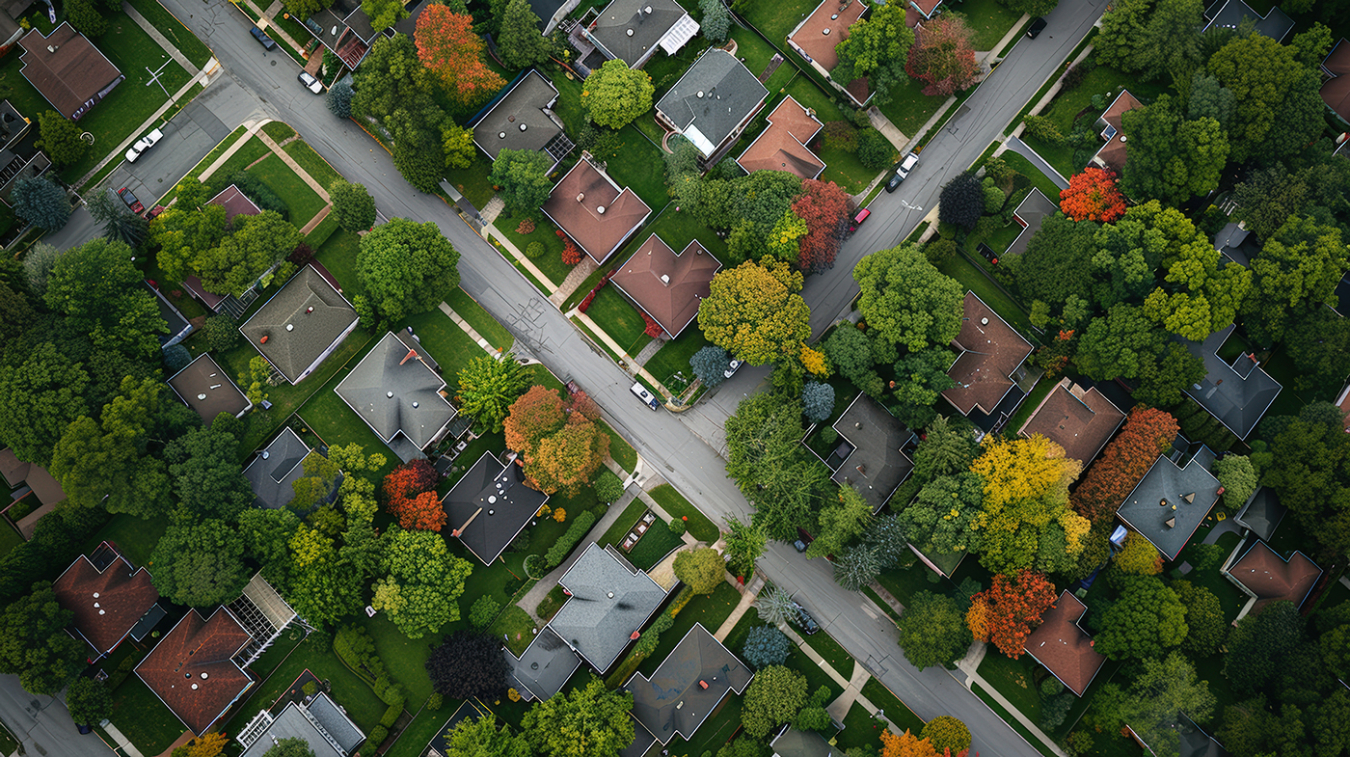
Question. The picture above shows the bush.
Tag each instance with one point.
(1051, 686)
(1077, 74)
(710, 364)
(534, 565)
(828, 435)
(521, 542)
(940, 251)
(874, 150)
(435, 701)
(1042, 128)
(310, 688)
(1078, 742)
(993, 197)
(534, 249)
(563, 546)
(484, 611)
(766, 646)
(946, 732)
(1055, 710)
(817, 401)
(651, 637)
(839, 135)
(677, 526)
(301, 255)
(608, 487)
(176, 358)
(356, 648)
(377, 735)
(220, 333)
(340, 99)
(390, 716)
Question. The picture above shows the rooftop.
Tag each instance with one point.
(321, 724)
(192, 671)
(205, 387)
(177, 327)
(667, 286)
(235, 202)
(1230, 14)
(594, 212)
(107, 601)
(1081, 421)
(713, 97)
(877, 464)
(791, 742)
(990, 352)
(1270, 578)
(609, 603)
(301, 324)
(817, 36)
(397, 393)
(275, 468)
(67, 69)
(782, 144)
(1113, 153)
(490, 506)
(1238, 394)
(518, 121)
(1336, 90)
(1031, 212)
(689, 684)
(1262, 513)
(544, 667)
(631, 30)
(1064, 648)
(46, 488)
(1170, 502)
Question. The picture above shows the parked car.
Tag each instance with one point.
(805, 621)
(130, 199)
(731, 369)
(902, 171)
(1037, 26)
(311, 84)
(267, 42)
(645, 396)
(143, 144)
(863, 215)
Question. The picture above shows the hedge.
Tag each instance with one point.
(563, 546)
(354, 646)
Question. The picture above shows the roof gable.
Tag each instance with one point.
(594, 211)
(668, 287)
(713, 97)
(489, 507)
(300, 324)
(782, 144)
(991, 350)
(1158, 507)
(609, 602)
(107, 603)
(69, 71)
(875, 464)
(1081, 421)
(1064, 648)
(688, 685)
(1238, 393)
(1271, 578)
(630, 30)
(192, 671)
(275, 468)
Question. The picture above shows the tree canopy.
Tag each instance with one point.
(908, 301)
(754, 311)
(407, 268)
(876, 49)
(615, 94)
(588, 721)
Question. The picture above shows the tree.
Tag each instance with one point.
(961, 202)
(1139, 557)
(256, 244)
(773, 698)
(841, 522)
(212, 744)
(457, 142)
(220, 333)
(783, 240)
(292, 747)
(716, 22)
(538, 413)
(769, 465)
(1119, 344)
(1306, 468)
(941, 521)
(875, 49)
(523, 178)
(1146, 434)
(1172, 159)
(702, 569)
(943, 57)
(407, 268)
(856, 567)
(825, 209)
(60, 139)
(944, 731)
(587, 721)
(1120, 43)
(569, 458)
(39, 201)
(35, 645)
(1205, 620)
(945, 450)
(1025, 519)
(37, 266)
(754, 311)
(205, 474)
(469, 664)
(1261, 644)
(817, 401)
(488, 386)
(353, 207)
(908, 301)
(266, 535)
(905, 745)
(1008, 609)
(1144, 622)
(615, 94)
(519, 42)
(97, 287)
(200, 563)
(744, 544)
(1276, 110)
(1170, 43)
(38, 399)
(1092, 196)
(119, 223)
(481, 737)
(1166, 689)
(1297, 269)
(766, 646)
(1058, 262)
(920, 378)
(86, 18)
(874, 150)
(89, 701)
(447, 46)
(423, 581)
(1237, 477)
(710, 365)
(183, 233)
(1204, 297)
(339, 99)
(933, 631)
(775, 606)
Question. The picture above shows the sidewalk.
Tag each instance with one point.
(163, 42)
(122, 741)
(972, 677)
(626, 359)
(232, 149)
(286, 158)
(748, 595)
(578, 274)
(498, 239)
(473, 334)
(1015, 31)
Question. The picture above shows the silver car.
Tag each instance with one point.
(143, 144)
(311, 84)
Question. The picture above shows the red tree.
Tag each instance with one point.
(538, 413)
(653, 329)
(423, 512)
(1092, 196)
(410, 492)
(447, 45)
(1011, 606)
(410, 479)
(942, 56)
(824, 207)
(1147, 433)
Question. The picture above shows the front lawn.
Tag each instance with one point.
(617, 316)
(404, 658)
(988, 20)
(302, 201)
(677, 506)
(896, 711)
(1013, 722)
(841, 167)
(312, 162)
(480, 319)
(472, 182)
(446, 342)
(133, 537)
(777, 20)
(545, 233)
(652, 547)
(836, 656)
(338, 255)
(250, 151)
(860, 729)
(1039, 180)
(9, 539)
(909, 108)
(178, 35)
(973, 279)
(708, 609)
(674, 357)
(145, 720)
(330, 418)
(1015, 680)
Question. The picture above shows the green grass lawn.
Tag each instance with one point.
(835, 655)
(312, 162)
(134, 538)
(9, 539)
(612, 312)
(971, 278)
(708, 609)
(1038, 179)
(338, 255)
(302, 201)
(480, 319)
(545, 233)
(1230, 599)
(988, 20)
(337, 424)
(178, 35)
(279, 131)
(756, 54)
(638, 165)
(551, 603)
(674, 358)
(860, 729)
(815, 675)
(909, 108)
(1015, 680)
(404, 658)
(652, 547)
(677, 506)
(414, 739)
(447, 343)
(626, 520)
(146, 722)
(896, 711)
(516, 626)
(716, 731)
(619, 449)
(472, 182)
(250, 151)
(777, 20)
(841, 167)
(1029, 405)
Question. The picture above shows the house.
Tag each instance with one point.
(178, 326)
(552, 12)
(666, 286)
(1336, 90)
(319, 722)
(988, 366)
(205, 387)
(1262, 513)
(633, 30)
(1171, 501)
(111, 600)
(1030, 213)
(609, 603)
(1191, 742)
(712, 103)
(27, 479)
(345, 30)
(687, 687)
(489, 507)
(275, 469)
(1112, 154)
(817, 36)
(791, 742)
(1077, 419)
(926, 8)
(398, 391)
(544, 667)
(66, 68)
(1237, 244)
(1265, 577)
(523, 119)
(870, 456)
(1231, 13)
(236, 203)
(20, 157)
(782, 144)
(1236, 393)
(193, 669)
(594, 211)
(1063, 647)
(301, 325)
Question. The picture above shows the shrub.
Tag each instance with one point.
(608, 487)
(874, 150)
(390, 716)
(563, 546)
(526, 226)
(356, 648)
(521, 542)
(1079, 742)
(1077, 74)
(839, 135)
(435, 701)
(302, 254)
(940, 251)
(710, 364)
(560, 515)
(677, 527)
(1051, 686)
(766, 646)
(1055, 710)
(534, 249)
(651, 637)
(817, 401)
(828, 435)
(653, 329)
(1042, 128)
(484, 611)
(176, 358)
(377, 735)
(571, 255)
(310, 688)
(534, 565)
(993, 196)
(220, 333)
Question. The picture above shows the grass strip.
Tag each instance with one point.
(1022, 731)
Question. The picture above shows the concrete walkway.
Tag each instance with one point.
(974, 677)
(290, 162)
(123, 742)
(578, 274)
(231, 150)
(1015, 31)
(471, 331)
(852, 685)
(888, 130)
(748, 594)
(628, 362)
(1024, 149)
(160, 39)
(317, 219)
(499, 240)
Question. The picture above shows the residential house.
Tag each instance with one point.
(633, 30)
(1237, 244)
(1030, 213)
(1192, 741)
(666, 286)
(345, 30)
(609, 603)
(318, 721)
(10, 13)
(111, 600)
(29, 480)
(205, 387)
(988, 366)
(489, 507)
(591, 209)
(1231, 13)
(870, 456)
(274, 470)
(1239, 393)
(179, 326)
(552, 12)
(1171, 501)
(544, 667)
(301, 325)
(19, 156)
(194, 669)
(817, 36)
(1262, 513)
(67, 70)
(1063, 647)
(782, 144)
(1113, 155)
(1265, 577)
(687, 687)
(1336, 89)
(523, 119)
(712, 103)
(1077, 419)
(398, 391)
(926, 8)
(791, 742)
(236, 203)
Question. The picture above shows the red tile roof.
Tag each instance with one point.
(1113, 152)
(107, 604)
(235, 202)
(1079, 421)
(669, 287)
(191, 669)
(1336, 92)
(782, 144)
(593, 211)
(1064, 648)
(811, 37)
(1273, 579)
(990, 351)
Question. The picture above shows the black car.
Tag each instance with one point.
(1037, 26)
(267, 42)
(808, 624)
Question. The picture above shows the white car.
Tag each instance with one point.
(731, 369)
(647, 399)
(311, 84)
(143, 144)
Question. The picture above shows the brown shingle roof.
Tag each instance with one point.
(990, 351)
(1064, 648)
(46, 488)
(1271, 578)
(235, 203)
(927, 7)
(811, 39)
(1336, 92)
(107, 604)
(668, 286)
(782, 144)
(67, 69)
(205, 387)
(593, 211)
(1079, 421)
(191, 669)
(1113, 152)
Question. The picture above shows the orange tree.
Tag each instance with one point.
(1092, 196)
(560, 443)
(1008, 609)
(448, 46)
(1126, 459)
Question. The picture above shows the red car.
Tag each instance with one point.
(131, 201)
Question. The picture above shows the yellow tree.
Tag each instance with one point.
(1026, 521)
(206, 745)
(1139, 556)
(754, 311)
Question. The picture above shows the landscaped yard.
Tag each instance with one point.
(638, 165)
(133, 537)
(414, 739)
(617, 316)
(674, 358)
(756, 54)
(988, 20)
(896, 711)
(404, 658)
(250, 151)
(777, 20)
(337, 424)
(973, 279)
(909, 108)
(677, 506)
(178, 35)
(140, 715)
(481, 320)
(472, 182)
(312, 162)
(302, 201)
(1038, 179)
(841, 167)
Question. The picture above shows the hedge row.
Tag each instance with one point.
(563, 546)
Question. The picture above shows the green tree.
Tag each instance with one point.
(488, 386)
(1210, 99)
(1262, 644)
(1166, 689)
(523, 178)
(292, 747)
(89, 701)
(303, 9)
(407, 268)
(353, 207)
(961, 202)
(266, 535)
(39, 201)
(933, 630)
(207, 480)
(716, 22)
(200, 564)
(1033, 8)
(1278, 108)
(1205, 622)
(1162, 379)
(1147, 620)
(519, 42)
(457, 142)
(35, 645)
(1200, 297)
(769, 465)
(841, 522)
(1058, 263)
(588, 721)
(423, 581)
(37, 266)
(920, 378)
(754, 311)
(1297, 269)
(744, 544)
(703, 569)
(1170, 43)
(60, 139)
(1119, 344)
(384, 13)
(39, 398)
(1319, 344)
(1238, 478)
(481, 737)
(86, 18)
(183, 233)
(943, 518)
(1172, 159)
(97, 288)
(255, 245)
(1120, 43)
(908, 301)
(876, 49)
(615, 94)
(946, 450)
(773, 698)
(119, 223)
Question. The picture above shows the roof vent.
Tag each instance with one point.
(665, 279)
(703, 685)
(492, 512)
(1170, 523)
(600, 209)
(290, 327)
(629, 32)
(648, 9)
(834, 16)
(581, 196)
(100, 612)
(534, 666)
(826, 32)
(263, 340)
(309, 310)
(390, 395)
(1189, 498)
(203, 676)
(1122, 137)
(700, 94)
(201, 397)
(984, 321)
(610, 595)
(415, 403)
(511, 118)
(333, 32)
(523, 127)
(266, 454)
(194, 687)
(95, 595)
(501, 135)
(492, 499)
(96, 604)
(634, 635)
(52, 48)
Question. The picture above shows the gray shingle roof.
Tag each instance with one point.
(1275, 24)
(729, 94)
(544, 667)
(1262, 513)
(490, 506)
(292, 724)
(332, 719)
(298, 338)
(1157, 508)
(876, 466)
(522, 106)
(609, 602)
(275, 468)
(689, 684)
(1238, 394)
(621, 17)
(1033, 210)
(394, 392)
(794, 743)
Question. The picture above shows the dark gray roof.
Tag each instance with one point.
(1238, 394)
(1237, 244)
(179, 327)
(1274, 24)
(612, 27)
(642, 741)
(408, 25)
(522, 106)
(545, 9)
(1157, 508)
(876, 466)
(490, 506)
(689, 684)
(730, 93)
(1262, 513)
(794, 743)
(1033, 210)
(147, 623)
(275, 468)
(334, 720)
(396, 393)
(298, 338)
(610, 601)
(545, 666)
(295, 722)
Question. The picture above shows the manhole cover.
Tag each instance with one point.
(274, 63)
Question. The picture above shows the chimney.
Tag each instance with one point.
(263, 340)
(411, 354)
(703, 685)
(665, 279)
(634, 636)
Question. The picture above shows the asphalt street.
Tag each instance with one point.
(681, 448)
(43, 725)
